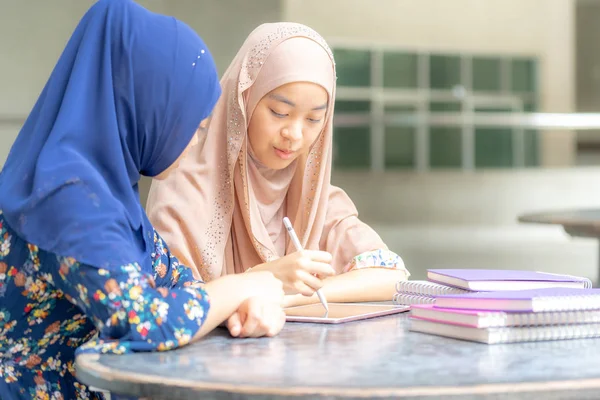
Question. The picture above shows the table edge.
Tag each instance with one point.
(553, 217)
(91, 373)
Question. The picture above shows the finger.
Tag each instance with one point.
(262, 327)
(260, 314)
(289, 289)
(251, 323)
(309, 280)
(303, 289)
(318, 256)
(234, 324)
(318, 268)
(277, 326)
(269, 319)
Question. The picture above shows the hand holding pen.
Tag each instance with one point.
(298, 245)
(301, 272)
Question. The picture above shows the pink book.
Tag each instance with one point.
(482, 280)
(537, 300)
(493, 319)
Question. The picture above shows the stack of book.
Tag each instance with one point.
(512, 316)
(442, 282)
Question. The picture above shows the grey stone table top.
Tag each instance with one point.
(377, 358)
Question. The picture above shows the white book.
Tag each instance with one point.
(506, 335)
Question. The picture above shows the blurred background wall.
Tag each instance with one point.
(442, 194)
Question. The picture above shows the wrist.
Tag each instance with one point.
(256, 268)
(242, 286)
(250, 284)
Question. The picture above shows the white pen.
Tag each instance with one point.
(294, 237)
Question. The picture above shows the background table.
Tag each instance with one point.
(578, 223)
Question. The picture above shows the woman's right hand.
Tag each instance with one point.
(256, 317)
(300, 272)
(261, 314)
(230, 294)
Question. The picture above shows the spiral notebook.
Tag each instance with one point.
(506, 335)
(427, 288)
(492, 319)
(500, 279)
(407, 299)
(539, 300)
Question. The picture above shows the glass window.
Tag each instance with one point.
(353, 67)
(523, 75)
(351, 106)
(352, 147)
(399, 147)
(400, 70)
(445, 147)
(494, 146)
(445, 106)
(486, 74)
(444, 71)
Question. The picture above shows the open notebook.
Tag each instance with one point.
(499, 279)
(538, 300)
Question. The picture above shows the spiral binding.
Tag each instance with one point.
(565, 303)
(587, 283)
(554, 318)
(496, 319)
(511, 334)
(426, 288)
(540, 333)
(403, 299)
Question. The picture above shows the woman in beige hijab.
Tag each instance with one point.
(266, 154)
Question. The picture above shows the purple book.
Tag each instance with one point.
(537, 300)
(490, 280)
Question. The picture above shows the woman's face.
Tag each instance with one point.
(286, 122)
(193, 142)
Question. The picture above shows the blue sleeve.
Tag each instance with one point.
(129, 310)
(168, 271)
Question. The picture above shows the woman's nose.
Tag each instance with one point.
(292, 132)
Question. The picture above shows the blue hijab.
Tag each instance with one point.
(124, 100)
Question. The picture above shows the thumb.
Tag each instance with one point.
(234, 324)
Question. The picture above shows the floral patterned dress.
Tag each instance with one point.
(52, 305)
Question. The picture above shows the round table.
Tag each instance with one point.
(377, 358)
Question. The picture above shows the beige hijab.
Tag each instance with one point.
(221, 210)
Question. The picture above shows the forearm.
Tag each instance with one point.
(359, 285)
(226, 294)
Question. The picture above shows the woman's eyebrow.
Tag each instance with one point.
(287, 101)
(282, 99)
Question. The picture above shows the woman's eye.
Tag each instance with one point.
(278, 115)
(314, 120)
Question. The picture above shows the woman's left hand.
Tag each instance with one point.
(256, 317)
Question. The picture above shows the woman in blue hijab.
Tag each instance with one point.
(79, 260)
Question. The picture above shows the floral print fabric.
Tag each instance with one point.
(52, 308)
